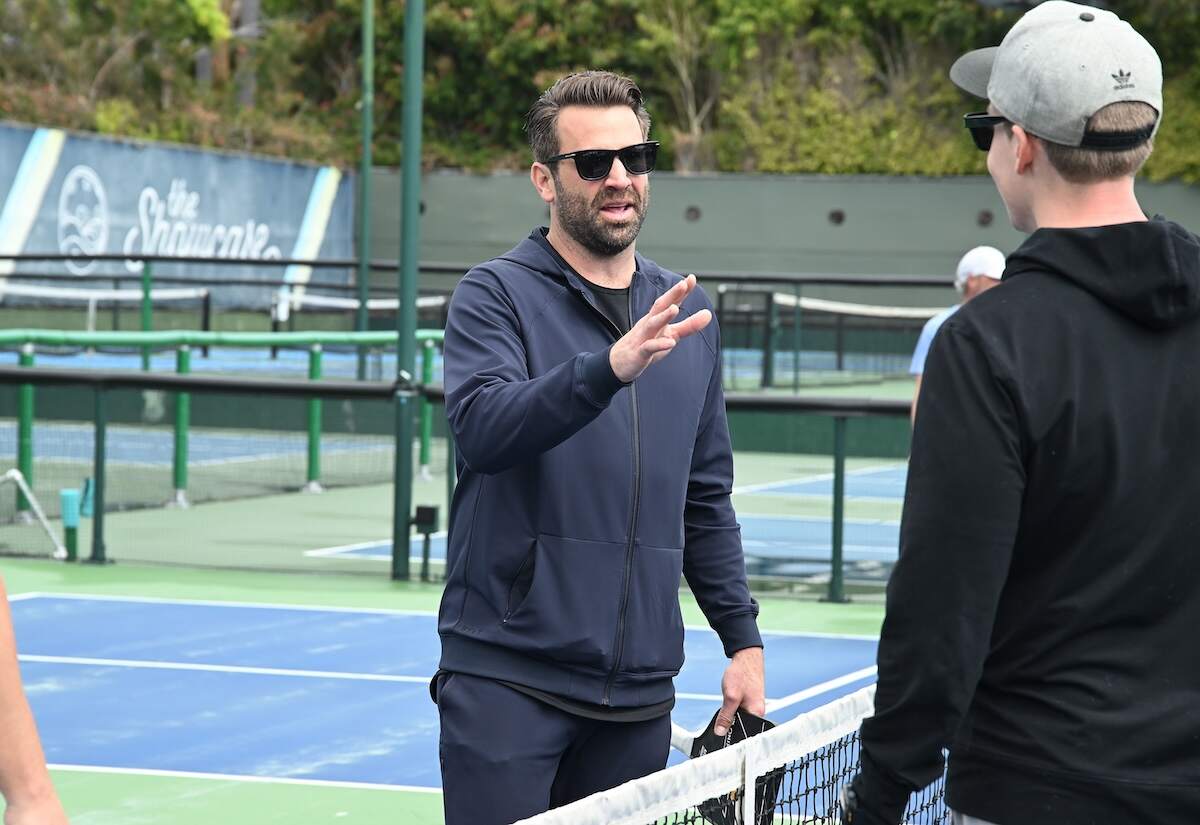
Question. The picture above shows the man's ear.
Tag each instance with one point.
(543, 181)
(1025, 148)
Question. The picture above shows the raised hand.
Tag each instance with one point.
(654, 336)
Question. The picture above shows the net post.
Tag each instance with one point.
(427, 354)
(768, 369)
(839, 326)
(147, 309)
(837, 592)
(69, 507)
(313, 484)
(403, 473)
(25, 429)
(183, 416)
(99, 556)
(796, 340)
(206, 317)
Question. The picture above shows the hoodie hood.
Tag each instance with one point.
(1148, 271)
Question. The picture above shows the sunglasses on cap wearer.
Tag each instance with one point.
(982, 126)
(594, 164)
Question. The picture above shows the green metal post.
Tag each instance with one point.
(314, 424)
(410, 242)
(183, 420)
(147, 309)
(768, 367)
(402, 512)
(427, 353)
(364, 176)
(837, 592)
(796, 349)
(98, 461)
(25, 429)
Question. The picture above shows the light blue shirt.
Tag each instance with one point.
(927, 333)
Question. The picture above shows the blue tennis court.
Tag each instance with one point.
(155, 446)
(313, 694)
(773, 545)
(886, 483)
(335, 363)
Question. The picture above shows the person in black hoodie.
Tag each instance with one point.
(1041, 621)
(583, 389)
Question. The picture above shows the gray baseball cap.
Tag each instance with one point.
(1059, 65)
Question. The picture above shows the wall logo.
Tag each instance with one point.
(171, 225)
(82, 218)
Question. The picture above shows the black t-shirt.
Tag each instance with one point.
(614, 303)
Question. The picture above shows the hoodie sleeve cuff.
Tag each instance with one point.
(599, 381)
(739, 632)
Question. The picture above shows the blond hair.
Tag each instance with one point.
(1081, 165)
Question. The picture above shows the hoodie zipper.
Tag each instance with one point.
(619, 642)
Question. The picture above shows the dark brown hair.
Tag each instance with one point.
(591, 88)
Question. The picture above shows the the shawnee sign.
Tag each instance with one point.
(82, 195)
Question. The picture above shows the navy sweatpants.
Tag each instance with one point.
(506, 756)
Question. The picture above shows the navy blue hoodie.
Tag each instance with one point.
(581, 500)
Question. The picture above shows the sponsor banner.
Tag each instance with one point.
(83, 195)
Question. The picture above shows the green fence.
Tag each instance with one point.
(252, 473)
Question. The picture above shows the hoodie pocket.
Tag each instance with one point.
(569, 612)
(653, 624)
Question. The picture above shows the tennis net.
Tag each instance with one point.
(797, 770)
(779, 339)
(52, 307)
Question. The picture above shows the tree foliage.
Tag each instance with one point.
(825, 86)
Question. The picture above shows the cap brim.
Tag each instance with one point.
(972, 71)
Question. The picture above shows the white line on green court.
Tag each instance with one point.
(364, 545)
(788, 517)
(824, 687)
(383, 611)
(22, 596)
(787, 482)
(232, 777)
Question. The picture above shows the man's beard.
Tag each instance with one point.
(581, 220)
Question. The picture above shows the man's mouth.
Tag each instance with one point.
(622, 209)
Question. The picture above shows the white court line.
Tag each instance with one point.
(20, 597)
(363, 545)
(823, 519)
(232, 777)
(256, 671)
(824, 687)
(269, 671)
(770, 485)
(381, 611)
(252, 605)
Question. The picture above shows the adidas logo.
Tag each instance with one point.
(1124, 80)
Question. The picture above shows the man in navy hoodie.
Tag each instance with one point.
(583, 389)
(1042, 619)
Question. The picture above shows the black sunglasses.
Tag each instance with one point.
(982, 126)
(594, 164)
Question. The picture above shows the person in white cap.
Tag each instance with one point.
(1042, 618)
(979, 270)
